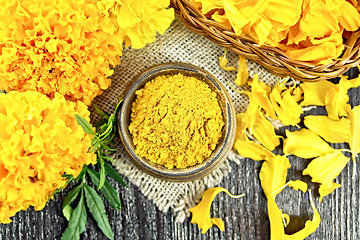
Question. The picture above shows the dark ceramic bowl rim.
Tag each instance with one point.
(221, 151)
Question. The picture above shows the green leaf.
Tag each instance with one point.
(67, 212)
(102, 172)
(109, 191)
(100, 112)
(100, 125)
(111, 172)
(81, 174)
(2, 91)
(77, 221)
(84, 124)
(97, 209)
(71, 196)
(69, 178)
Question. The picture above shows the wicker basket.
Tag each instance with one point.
(270, 57)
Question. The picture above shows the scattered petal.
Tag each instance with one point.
(305, 144)
(315, 92)
(331, 165)
(243, 72)
(250, 149)
(201, 212)
(354, 132)
(298, 184)
(334, 131)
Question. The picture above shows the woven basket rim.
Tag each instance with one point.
(272, 58)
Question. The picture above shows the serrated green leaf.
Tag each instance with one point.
(81, 174)
(77, 221)
(84, 124)
(67, 212)
(111, 172)
(109, 191)
(69, 178)
(102, 172)
(97, 210)
(100, 125)
(71, 196)
(100, 112)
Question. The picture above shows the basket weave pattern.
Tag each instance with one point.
(270, 57)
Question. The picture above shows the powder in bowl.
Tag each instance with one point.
(176, 121)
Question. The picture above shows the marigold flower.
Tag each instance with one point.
(69, 46)
(40, 141)
(139, 20)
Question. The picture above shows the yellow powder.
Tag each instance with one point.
(176, 121)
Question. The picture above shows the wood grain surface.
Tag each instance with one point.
(244, 218)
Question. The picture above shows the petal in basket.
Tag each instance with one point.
(286, 44)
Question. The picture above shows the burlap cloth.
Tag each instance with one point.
(178, 44)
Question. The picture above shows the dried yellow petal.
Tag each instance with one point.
(305, 144)
(325, 169)
(298, 184)
(264, 132)
(315, 92)
(273, 177)
(334, 131)
(201, 212)
(354, 133)
(223, 61)
(260, 95)
(336, 102)
(285, 104)
(250, 149)
(243, 72)
(310, 225)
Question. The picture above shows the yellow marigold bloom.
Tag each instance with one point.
(40, 140)
(139, 20)
(57, 46)
(68, 46)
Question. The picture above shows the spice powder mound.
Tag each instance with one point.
(176, 121)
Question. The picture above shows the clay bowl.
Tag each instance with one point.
(221, 151)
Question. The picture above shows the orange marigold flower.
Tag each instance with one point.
(57, 46)
(69, 46)
(40, 140)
